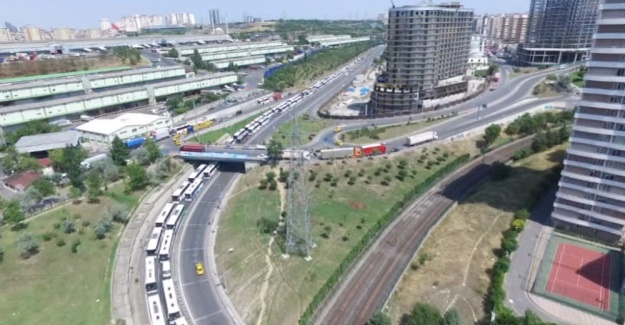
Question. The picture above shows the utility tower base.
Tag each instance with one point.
(285, 256)
(308, 258)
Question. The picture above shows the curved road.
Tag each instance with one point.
(201, 296)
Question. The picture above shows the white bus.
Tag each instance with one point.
(173, 311)
(174, 218)
(165, 250)
(154, 240)
(197, 173)
(209, 171)
(166, 269)
(193, 190)
(181, 321)
(162, 218)
(177, 195)
(155, 310)
(150, 275)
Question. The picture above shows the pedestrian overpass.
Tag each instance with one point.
(216, 155)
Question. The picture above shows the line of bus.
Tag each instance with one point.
(154, 241)
(209, 171)
(155, 310)
(197, 173)
(174, 218)
(173, 311)
(177, 196)
(162, 218)
(150, 275)
(193, 190)
(165, 250)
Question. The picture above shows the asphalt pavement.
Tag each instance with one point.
(200, 293)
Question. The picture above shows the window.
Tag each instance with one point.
(620, 72)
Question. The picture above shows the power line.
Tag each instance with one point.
(298, 229)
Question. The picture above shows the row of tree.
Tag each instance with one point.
(313, 67)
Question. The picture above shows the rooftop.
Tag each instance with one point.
(62, 75)
(22, 180)
(47, 141)
(193, 47)
(105, 126)
(73, 99)
(239, 59)
(62, 80)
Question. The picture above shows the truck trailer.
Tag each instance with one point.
(86, 164)
(336, 153)
(193, 147)
(421, 138)
(161, 134)
(134, 143)
(371, 149)
(290, 154)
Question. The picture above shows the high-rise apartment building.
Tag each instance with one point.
(33, 34)
(6, 35)
(215, 19)
(105, 24)
(63, 34)
(506, 29)
(172, 20)
(591, 194)
(558, 31)
(426, 56)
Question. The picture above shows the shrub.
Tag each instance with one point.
(56, 225)
(86, 223)
(344, 238)
(522, 214)
(118, 213)
(27, 245)
(500, 171)
(518, 224)
(75, 245)
(68, 227)
(60, 242)
(47, 236)
(1, 255)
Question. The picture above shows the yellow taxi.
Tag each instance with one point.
(199, 268)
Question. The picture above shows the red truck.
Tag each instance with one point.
(277, 96)
(193, 147)
(373, 149)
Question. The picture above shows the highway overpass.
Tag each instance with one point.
(221, 154)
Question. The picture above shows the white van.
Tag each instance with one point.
(166, 267)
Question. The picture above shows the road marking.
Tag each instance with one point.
(207, 316)
(194, 282)
(190, 249)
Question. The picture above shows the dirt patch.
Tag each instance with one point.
(357, 205)
(462, 245)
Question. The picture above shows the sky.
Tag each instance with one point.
(87, 14)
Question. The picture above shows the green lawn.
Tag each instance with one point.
(213, 136)
(343, 212)
(308, 126)
(56, 286)
(577, 78)
(369, 135)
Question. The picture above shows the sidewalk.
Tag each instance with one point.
(127, 292)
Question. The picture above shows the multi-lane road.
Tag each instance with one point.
(201, 295)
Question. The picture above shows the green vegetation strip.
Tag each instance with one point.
(62, 75)
(373, 232)
(213, 136)
(540, 286)
(314, 67)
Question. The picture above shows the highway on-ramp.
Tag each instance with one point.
(200, 295)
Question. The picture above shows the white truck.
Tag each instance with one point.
(86, 164)
(290, 154)
(161, 134)
(421, 138)
(336, 153)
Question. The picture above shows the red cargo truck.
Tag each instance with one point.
(373, 149)
(277, 96)
(192, 147)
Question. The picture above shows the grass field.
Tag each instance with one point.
(56, 286)
(309, 128)
(386, 133)
(35, 69)
(461, 248)
(340, 215)
(522, 71)
(212, 136)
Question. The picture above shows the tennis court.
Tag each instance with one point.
(581, 275)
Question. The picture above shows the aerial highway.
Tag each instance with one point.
(201, 295)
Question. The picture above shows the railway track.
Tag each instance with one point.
(372, 279)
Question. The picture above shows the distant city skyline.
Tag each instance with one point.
(87, 14)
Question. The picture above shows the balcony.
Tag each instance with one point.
(608, 36)
(615, 171)
(596, 155)
(600, 118)
(599, 130)
(586, 224)
(611, 6)
(607, 50)
(591, 213)
(577, 196)
(606, 64)
(611, 21)
(596, 104)
(605, 77)
(601, 91)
